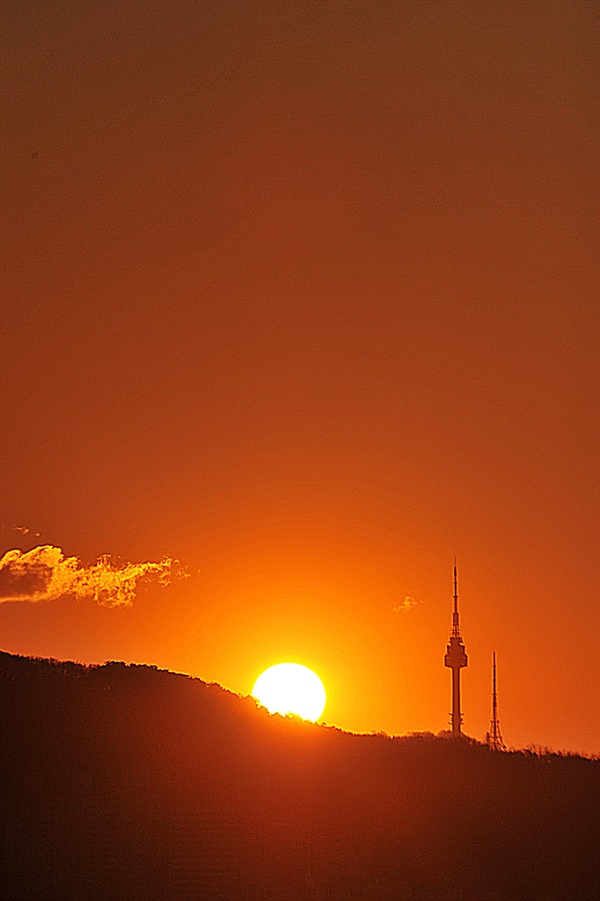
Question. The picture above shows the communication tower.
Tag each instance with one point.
(494, 736)
(456, 658)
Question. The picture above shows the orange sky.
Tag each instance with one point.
(305, 296)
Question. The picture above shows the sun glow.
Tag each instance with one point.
(291, 688)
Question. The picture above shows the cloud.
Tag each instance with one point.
(22, 530)
(404, 605)
(44, 574)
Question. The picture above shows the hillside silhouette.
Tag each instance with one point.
(128, 782)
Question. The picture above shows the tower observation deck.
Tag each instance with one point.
(456, 659)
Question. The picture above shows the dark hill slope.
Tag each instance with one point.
(126, 782)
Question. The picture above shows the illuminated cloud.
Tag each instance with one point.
(22, 530)
(44, 574)
(407, 603)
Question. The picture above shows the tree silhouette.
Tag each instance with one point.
(125, 782)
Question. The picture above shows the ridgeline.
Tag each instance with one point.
(127, 782)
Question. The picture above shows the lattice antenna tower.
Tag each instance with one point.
(494, 736)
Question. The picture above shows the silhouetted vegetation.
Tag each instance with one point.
(128, 782)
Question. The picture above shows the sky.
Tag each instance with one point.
(300, 302)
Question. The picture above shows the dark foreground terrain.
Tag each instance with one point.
(126, 782)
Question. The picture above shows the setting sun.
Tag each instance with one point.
(291, 688)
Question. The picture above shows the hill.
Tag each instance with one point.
(128, 782)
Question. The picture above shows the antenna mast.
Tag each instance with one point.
(494, 736)
(455, 624)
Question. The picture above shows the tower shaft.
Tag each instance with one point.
(456, 716)
(456, 659)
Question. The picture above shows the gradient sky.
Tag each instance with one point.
(305, 295)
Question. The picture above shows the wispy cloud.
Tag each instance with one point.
(407, 603)
(44, 574)
(24, 530)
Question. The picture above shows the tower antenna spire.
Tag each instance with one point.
(494, 736)
(455, 621)
(456, 659)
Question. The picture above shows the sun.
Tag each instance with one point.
(291, 688)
